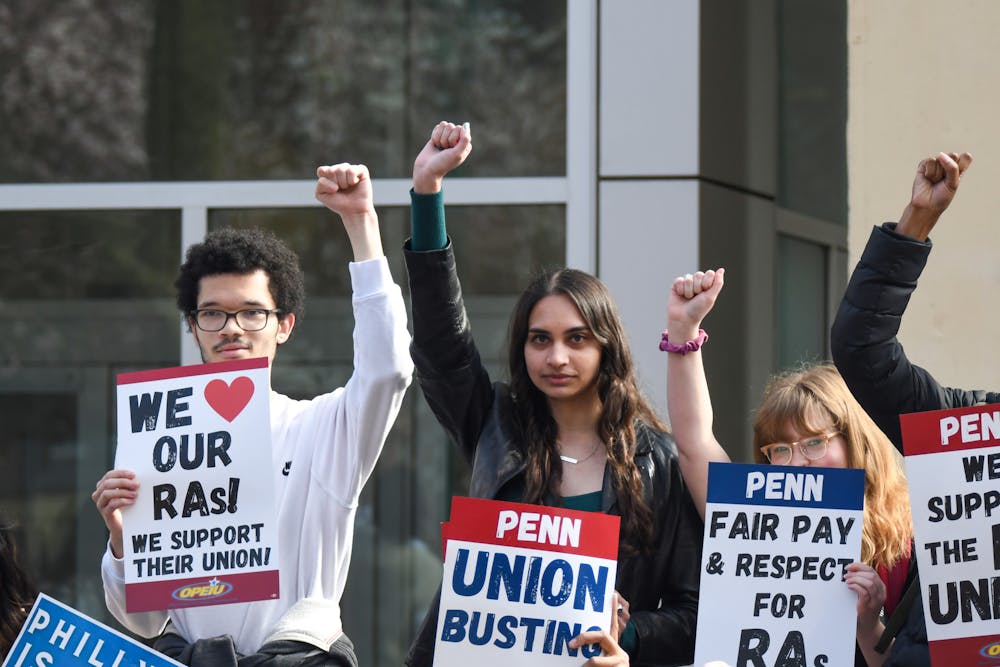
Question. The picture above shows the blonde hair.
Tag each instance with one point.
(801, 399)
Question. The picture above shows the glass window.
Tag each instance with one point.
(812, 108)
(228, 89)
(802, 308)
(37, 478)
(71, 281)
(201, 91)
(85, 295)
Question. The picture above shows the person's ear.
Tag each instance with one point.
(285, 326)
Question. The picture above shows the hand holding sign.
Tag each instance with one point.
(864, 581)
(612, 655)
(115, 491)
(621, 615)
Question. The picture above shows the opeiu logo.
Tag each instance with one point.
(991, 651)
(207, 591)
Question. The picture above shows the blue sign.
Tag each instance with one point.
(57, 635)
(786, 486)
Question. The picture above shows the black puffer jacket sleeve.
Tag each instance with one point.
(864, 344)
(448, 366)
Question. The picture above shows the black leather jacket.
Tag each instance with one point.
(882, 379)
(662, 588)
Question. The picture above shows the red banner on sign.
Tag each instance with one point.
(202, 591)
(533, 527)
(951, 430)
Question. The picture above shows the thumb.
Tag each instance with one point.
(355, 174)
(932, 170)
(464, 145)
(361, 173)
(326, 186)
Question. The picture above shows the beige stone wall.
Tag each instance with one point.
(923, 77)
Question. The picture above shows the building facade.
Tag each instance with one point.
(638, 139)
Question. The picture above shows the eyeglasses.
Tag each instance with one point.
(814, 447)
(251, 319)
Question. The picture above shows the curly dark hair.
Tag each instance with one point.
(243, 251)
(17, 592)
(623, 407)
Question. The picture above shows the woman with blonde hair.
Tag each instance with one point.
(806, 418)
(807, 400)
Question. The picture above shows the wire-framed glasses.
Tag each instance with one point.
(249, 319)
(814, 447)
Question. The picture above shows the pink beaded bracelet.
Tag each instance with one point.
(684, 348)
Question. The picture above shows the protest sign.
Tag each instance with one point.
(777, 542)
(55, 634)
(520, 581)
(202, 530)
(953, 469)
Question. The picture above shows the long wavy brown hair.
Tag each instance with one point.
(624, 410)
(802, 399)
(17, 592)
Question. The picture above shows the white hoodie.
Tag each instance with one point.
(332, 442)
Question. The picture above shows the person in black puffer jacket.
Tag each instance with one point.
(868, 354)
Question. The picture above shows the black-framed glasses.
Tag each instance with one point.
(248, 319)
(814, 447)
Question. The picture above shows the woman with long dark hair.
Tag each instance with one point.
(17, 592)
(571, 428)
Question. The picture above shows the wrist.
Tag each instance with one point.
(359, 218)
(870, 625)
(682, 344)
(427, 184)
(682, 330)
(917, 222)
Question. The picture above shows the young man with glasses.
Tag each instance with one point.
(241, 291)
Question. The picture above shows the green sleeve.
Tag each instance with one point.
(427, 231)
(630, 639)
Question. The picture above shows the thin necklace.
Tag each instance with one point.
(570, 459)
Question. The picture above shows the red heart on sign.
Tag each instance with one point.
(229, 399)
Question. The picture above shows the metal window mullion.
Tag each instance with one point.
(194, 226)
(581, 134)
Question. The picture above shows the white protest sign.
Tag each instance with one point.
(520, 581)
(202, 530)
(953, 469)
(777, 540)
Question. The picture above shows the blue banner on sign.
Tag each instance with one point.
(786, 486)
(55, 634)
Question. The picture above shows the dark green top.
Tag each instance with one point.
(427, 230)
